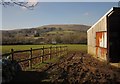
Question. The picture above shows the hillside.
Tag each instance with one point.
(45, 34)
(68, 27)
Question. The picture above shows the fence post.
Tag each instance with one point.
(56, 50)
(66, 50)
(30, 61)
(12, 53)
(50, 52)
(42, 55)
(60, 50)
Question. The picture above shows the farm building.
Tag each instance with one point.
(104, 37)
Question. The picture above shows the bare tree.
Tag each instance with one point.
(28, 5)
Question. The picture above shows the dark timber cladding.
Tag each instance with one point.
(104, 37)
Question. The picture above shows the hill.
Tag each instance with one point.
(68, 27)
(45, 34)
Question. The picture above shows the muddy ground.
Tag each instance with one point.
(76, 68)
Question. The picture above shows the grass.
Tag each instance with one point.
(7, 48)
(71, 47)
(77, 47)
(40, 65)
(54, 59)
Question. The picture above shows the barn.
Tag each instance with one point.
(104, 37)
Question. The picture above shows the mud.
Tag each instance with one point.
(82, 68)
(76, 68)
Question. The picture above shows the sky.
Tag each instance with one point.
(46, 13)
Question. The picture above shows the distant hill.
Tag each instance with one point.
(42, 34)
(68, 27)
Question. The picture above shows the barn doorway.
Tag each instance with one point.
(114, 36)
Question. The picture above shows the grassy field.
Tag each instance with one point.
(71, 47)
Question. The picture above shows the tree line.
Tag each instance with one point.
(67, 38)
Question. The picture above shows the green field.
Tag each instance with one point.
(71, 47)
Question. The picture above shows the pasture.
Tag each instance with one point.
(71, 47)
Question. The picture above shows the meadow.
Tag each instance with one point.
(71, 47)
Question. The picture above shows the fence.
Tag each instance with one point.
(31, 54)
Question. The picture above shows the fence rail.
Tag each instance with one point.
(51, 51)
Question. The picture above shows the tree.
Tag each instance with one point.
(29, 5)
(58, 39)
(36, 35)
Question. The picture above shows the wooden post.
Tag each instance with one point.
(60, 50)
(56, 50)
(66, 50)
(50, 52)
(12, 53)
(30, 61)
(42, 54)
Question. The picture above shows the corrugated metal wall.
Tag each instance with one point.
(101, 44)
(97, 39)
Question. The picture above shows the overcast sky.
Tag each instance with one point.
(45, 13)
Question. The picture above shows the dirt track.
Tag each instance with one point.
(77, 68)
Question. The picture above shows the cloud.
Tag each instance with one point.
(32, 2)
(86, 14)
